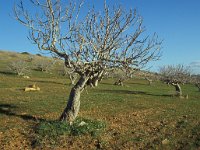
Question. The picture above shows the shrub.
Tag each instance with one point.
(19, 67)
(26, 53)
(51, 131)
(44, 65)
(39, 55)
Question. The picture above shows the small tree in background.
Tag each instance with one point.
(149, 76)
(30, 58)
(44, 65)
(70, 73)
(19, 67)
(198, 85)
(112, 38)
(150, 81)
(196, 81)
(175, 75)
(123, 74)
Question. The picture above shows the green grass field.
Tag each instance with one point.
(135, 116)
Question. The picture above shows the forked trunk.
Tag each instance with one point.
(72, 79)
(119, 82)
(178, 89)
(92, 82)
(96, 79)
(71, 111)
(149, 81)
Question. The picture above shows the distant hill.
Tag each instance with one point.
(8, 57)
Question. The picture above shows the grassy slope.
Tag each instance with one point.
(137, 115)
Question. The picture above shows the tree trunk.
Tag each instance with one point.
(72, 78)
(71, 111)
(149, 81)
(178, 89)
(119, 82)
(95, 83)
(198, 86)
(97, 78)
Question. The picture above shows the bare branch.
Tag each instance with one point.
(90, 46)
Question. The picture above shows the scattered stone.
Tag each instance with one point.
(185, 116)
(26, 77)
(98, 144)
(82, 123)
(165, 141)
(184, 97)
(32, 88)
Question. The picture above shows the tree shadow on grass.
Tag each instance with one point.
(7, 73)
(52, 82)
(125, 83)
(6, 109)
(132, 92)
(106, 83)
(138, 83)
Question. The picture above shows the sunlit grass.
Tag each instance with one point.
(136, 115)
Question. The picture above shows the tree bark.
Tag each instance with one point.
(96, 79)
(72, 79)
(178, 89)
(73, 105)
(119, 82)
(95, 82)
(198, 86)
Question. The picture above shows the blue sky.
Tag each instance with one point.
(175, 21)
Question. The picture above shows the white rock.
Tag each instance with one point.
(82, 123)
(165, 141)
(26, 77)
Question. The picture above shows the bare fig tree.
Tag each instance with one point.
(175, 75)
(195, 79)
(44, 65)
(150, 77)
(112, 38)
(20, 67)
(123, 74)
